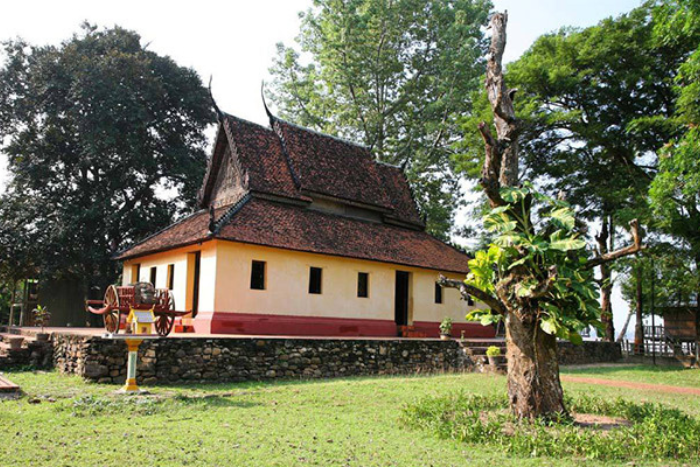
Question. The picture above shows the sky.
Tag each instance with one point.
(234, 41)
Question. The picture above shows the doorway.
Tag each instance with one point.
(193, 271)
(401, 298)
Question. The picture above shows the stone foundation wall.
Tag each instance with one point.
(34, 355)
(198, 360)
(589, 352)
(201, 360)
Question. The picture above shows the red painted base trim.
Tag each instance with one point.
(471, 330)
(287, 325)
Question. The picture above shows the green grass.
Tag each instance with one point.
(641, 374)
(345, 422)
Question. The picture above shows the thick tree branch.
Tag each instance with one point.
(466, 290)
(543, 288)
(635, 247)
(501, 163)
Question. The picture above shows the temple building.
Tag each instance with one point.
(301, 233)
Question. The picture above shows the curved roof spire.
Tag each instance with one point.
(219, 113)
(267, 109)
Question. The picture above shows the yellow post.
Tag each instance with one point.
(133, 347)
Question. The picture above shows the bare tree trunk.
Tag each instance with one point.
(534, 389)
(606, 315)
(623, 331)
(639, 308)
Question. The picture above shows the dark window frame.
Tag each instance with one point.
(258, 279)
(439, 299)
(171, 277)
(315, 280)
(362, 285)
(153, 275)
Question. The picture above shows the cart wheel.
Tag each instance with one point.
(164, 324)
(111, 318)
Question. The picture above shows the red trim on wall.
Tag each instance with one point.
(471, 330)
(287, 325)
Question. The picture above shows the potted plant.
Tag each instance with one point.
(494, 355)
(41, 318)
(15, 342)
(446, 329)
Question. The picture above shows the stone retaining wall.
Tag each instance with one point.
(34, 355)
(197, 360)
(589, 352)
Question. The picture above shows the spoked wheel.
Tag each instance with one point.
(164, 324)
(111, 318)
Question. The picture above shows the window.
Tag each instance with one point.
(257, 275)
(438, 293)
(171, 276)
(154, 270)
(362, 284)
(315, 280)
(135, 273)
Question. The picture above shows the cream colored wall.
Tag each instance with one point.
(179, 258)
(287, 279)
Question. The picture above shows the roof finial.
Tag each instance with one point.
(267, 109)
(219, 113)
(212, 219)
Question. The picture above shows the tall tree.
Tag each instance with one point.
(583, 93)
(395, 75)
(536, 275)
(95, 129)
(675, 192)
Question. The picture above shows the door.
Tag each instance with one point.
(401, 298)
(192, 297)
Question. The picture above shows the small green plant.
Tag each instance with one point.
(446, 326)
(658, 433)
(493, 351)
(41, 316)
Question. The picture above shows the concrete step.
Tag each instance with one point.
(7, 386)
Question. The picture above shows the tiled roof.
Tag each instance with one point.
(296, 228)
(330, 166)
(260, 154)
(291, 162)
(278, 225)
(186, 231)
(400, 196)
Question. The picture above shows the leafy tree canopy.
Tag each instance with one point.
(394, 75)
(95, 129)
(537, 260)
(675, 192)
(582, 93)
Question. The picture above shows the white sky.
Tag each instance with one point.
(235, 40)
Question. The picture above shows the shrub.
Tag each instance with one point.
(655, 432)
(446, 326)
(493, 351)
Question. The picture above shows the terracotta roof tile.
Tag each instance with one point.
(284, 226)
(399, 193)
(260, 154)
(330, 166)
(277, 225)
(186, 231)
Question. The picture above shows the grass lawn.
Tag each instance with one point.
(347, 422)
(642, 374)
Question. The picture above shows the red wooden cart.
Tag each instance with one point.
(119, 300)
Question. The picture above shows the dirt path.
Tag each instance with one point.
(631, 385)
